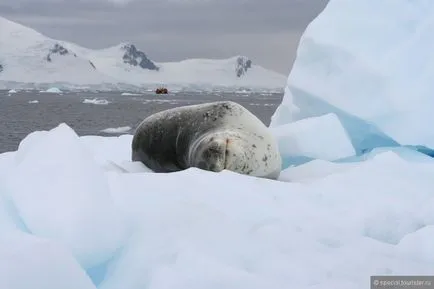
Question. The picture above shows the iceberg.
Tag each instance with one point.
(371, 63)
(53, 90)
(91, 218)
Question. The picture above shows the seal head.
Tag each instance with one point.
(209, 153)
(226, 150)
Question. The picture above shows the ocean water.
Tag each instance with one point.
(20, 114)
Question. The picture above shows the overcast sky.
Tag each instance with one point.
(267, 31)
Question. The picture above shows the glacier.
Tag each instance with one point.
(370, 63)
(29, 59)
(355, 198)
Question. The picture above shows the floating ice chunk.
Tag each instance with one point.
(65, 196)
(130, 94)
(30, 262)
(33, 101)
(121, 129)
(96, 101)
(12, 91)
(317, 138)
(52, 90)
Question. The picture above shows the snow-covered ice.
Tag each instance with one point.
(322, 224)
(371, 63)
(96, 101)
(121, 129)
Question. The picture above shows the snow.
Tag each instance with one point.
(371, 63)
(89, 213)
(120, 129)
(96, 101)
(26, 58)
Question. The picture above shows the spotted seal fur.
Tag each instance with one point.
(214, 136)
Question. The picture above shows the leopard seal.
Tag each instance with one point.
(212, 136)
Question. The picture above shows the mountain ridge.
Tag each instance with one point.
(28, 56)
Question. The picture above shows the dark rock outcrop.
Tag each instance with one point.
(91, 64)
(135, 57)
(60, 50)
(1, 68)
(243, 64)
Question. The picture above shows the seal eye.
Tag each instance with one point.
(212, 151)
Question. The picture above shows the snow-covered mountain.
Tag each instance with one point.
(33, 59)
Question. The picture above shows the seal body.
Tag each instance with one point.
(212, 136)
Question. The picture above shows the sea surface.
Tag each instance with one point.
(24, 112)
